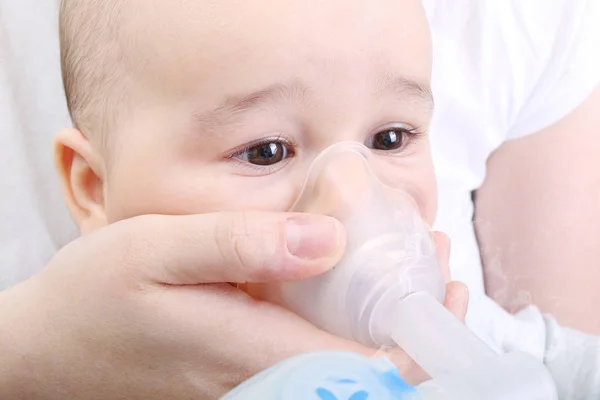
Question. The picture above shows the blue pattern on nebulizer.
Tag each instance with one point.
(331, 375)
(325, 394)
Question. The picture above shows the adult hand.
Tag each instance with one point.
(140, 310)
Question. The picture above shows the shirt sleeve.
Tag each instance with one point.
(565, 37)
(573, 359)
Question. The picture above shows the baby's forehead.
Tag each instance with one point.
(200, 39)
(168, 48)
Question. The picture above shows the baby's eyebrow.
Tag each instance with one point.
(234, 106)
(408, 89)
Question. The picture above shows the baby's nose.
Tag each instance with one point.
(338, 187)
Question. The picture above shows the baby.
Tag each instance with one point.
(206, 106)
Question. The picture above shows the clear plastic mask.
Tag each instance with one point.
(389, 245)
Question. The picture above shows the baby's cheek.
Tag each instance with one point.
(421, 186)
(424, 186)
(190, 191)
(426, 198)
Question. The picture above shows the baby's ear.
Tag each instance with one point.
(82, 173)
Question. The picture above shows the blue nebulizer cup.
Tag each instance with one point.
(388, 291)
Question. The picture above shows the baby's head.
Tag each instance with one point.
(187, 107)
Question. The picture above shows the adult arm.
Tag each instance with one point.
(538, 220)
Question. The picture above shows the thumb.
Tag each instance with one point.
(233, 247)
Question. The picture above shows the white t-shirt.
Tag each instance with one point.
(502, 70)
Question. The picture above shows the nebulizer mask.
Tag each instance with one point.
(386, 291)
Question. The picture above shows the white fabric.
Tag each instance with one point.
(502, 69)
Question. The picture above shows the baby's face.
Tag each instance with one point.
(236, 98)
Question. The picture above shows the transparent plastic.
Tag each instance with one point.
(388, 289)
(460, 364)
(389, 250)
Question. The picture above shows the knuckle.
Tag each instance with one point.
(245, 249)
(227, 252)
(134, 248)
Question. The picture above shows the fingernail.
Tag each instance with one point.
(312, 237)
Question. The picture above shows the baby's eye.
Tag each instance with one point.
(265, 153)
(389, 139)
